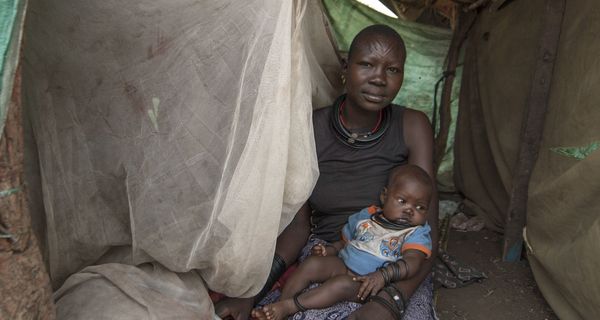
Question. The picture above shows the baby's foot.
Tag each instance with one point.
(280, 310)
(259, 313)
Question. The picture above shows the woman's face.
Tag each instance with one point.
(374, 73)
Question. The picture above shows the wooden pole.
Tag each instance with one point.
(465, 21)
(532, 129)
(24, 283)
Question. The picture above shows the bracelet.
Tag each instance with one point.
(300, 307)
(397, 296)
(390, 307)
(405, 268)
(396, 272)
(392, 274)
(277, 269)
(385, 274)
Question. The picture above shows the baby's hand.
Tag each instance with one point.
(371, 284)
(319, 250)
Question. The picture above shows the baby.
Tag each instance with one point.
(378, 247)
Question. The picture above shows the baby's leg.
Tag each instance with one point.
(313, 269)
(339, 288)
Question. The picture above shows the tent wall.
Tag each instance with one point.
(563, 225)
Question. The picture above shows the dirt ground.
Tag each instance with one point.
(510, 292)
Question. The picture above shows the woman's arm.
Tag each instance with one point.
(418, 137)
(289, 244)
(291, 241)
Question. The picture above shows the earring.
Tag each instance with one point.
(343, 79)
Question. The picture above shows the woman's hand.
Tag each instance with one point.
(371, 284)
(234, 308)
(323, 250)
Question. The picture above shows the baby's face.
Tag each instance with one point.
(407, 202)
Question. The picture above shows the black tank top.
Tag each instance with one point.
(351, 179)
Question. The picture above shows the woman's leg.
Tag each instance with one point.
(420, 306)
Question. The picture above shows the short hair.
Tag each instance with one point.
(376, 30)
(412, 171)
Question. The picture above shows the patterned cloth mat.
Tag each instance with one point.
(448, 271)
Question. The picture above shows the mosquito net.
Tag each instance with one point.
(170, 133)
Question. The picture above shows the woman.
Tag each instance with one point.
(359, 139)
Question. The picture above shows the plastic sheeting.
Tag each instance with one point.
(563, 225)
(172, 135)
(12, 16)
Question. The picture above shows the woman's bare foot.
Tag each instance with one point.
(280, 310)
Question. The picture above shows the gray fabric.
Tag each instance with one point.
(351, 179)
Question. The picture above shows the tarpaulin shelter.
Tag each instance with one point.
(168, 142)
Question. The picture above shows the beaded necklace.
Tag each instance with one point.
(353, 139)
(382, 221)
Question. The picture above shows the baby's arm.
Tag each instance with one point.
(415, 250)
(408, 266)
(327, 250)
